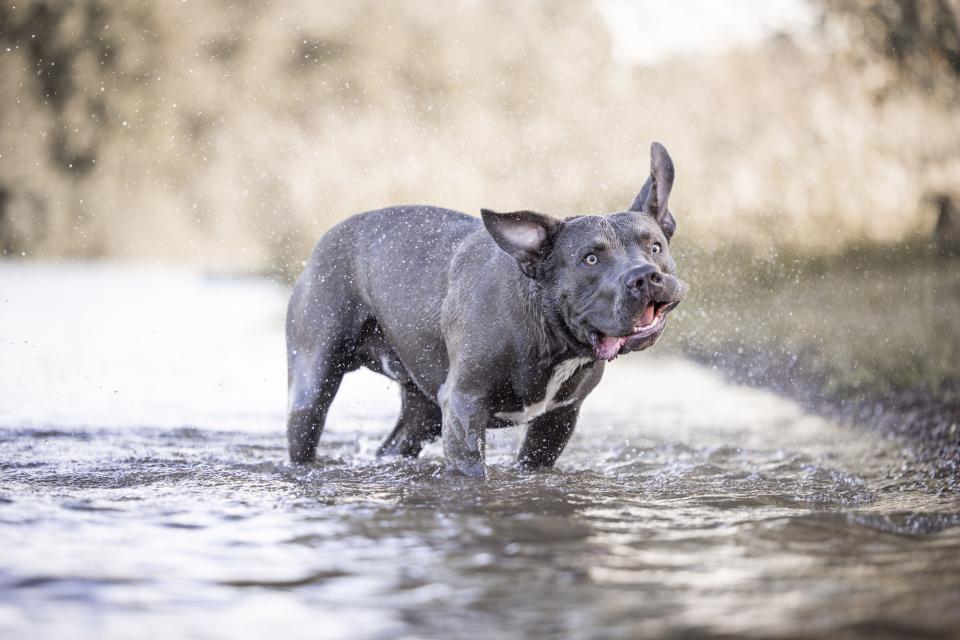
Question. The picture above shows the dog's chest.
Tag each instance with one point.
(561, 373)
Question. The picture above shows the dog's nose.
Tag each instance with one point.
(644, 278)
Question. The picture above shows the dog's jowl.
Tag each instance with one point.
(504, 322)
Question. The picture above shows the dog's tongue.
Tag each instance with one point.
(609, 346)
(647, 316)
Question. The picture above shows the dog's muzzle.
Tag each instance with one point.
(658, 294)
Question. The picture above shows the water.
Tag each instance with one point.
(144, 493)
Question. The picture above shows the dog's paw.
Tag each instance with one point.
(468, 468)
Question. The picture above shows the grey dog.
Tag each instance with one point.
(502, 323)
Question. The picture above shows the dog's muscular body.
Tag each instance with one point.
(483, 324)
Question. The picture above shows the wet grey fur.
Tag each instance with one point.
(473, 318)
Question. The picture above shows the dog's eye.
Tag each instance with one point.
(590, 259)
(656, 248)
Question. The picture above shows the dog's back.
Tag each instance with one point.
(371, 295)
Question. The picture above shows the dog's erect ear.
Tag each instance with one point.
(653, 196)
(524, 235)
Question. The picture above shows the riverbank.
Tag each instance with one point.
(869, 337)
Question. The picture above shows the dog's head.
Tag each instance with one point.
(609, 277)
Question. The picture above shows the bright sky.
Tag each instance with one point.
(646, 31)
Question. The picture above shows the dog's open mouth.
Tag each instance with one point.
(649, 323)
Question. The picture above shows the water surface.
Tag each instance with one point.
(144, 492)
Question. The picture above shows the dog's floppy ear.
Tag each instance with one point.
(653, 196)
(524, 235)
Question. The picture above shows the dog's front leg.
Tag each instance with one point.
(547, 437)
(465, 416)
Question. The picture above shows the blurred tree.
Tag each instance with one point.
(64, 64)
(233, 133)
(54, 35)
(920, 37)
(946, 233)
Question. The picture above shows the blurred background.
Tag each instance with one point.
(816, 145)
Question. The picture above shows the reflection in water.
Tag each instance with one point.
(688, 508)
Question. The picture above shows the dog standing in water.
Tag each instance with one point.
(504, 322)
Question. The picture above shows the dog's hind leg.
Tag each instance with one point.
(313, 384)
(323, 327)
(547, 436)
(420, 422)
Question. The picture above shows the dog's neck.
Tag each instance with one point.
(554, 338)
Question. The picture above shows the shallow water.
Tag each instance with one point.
(144, 492)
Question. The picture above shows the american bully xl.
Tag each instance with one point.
(504, 322)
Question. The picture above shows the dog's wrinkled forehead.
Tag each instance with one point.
(633, 224)
(617, 230)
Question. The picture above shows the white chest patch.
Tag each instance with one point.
(385, 365)
(561, 374)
